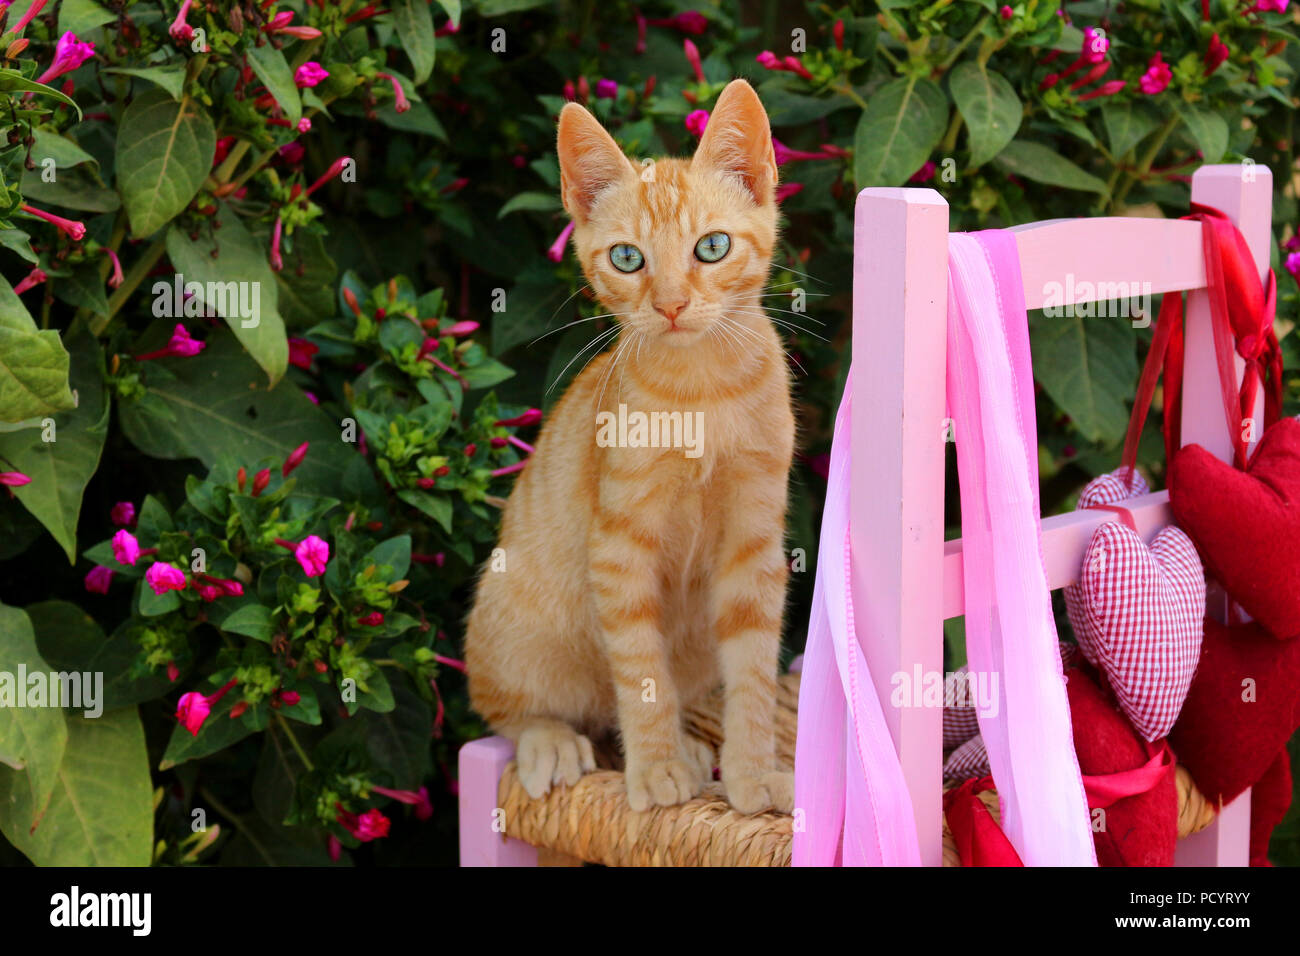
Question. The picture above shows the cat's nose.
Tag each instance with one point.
(670, 310)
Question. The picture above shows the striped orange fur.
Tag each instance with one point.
(632, 579)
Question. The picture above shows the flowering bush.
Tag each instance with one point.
(250, 466)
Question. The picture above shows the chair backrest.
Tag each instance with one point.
(906, 579)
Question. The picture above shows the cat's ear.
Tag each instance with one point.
(738, 141)
(590, 161)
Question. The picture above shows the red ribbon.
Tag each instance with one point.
(979, 839)
(1241, 315)
(1103, 790)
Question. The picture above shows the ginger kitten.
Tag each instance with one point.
(635, 577)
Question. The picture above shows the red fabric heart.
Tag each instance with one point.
(1243, 707)
(1137, 613)
(1269, 800)
(1140, 830)
(979, 839)
(1246, 525)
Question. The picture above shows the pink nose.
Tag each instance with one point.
(670, 310)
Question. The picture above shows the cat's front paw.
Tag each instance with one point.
(661, 783)
(551, 752)
(773, 790)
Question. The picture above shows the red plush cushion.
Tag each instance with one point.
(1140, 830)
(1241, 710)
(1269, 801)
(1247, 524)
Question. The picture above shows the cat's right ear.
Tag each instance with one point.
(590, 161)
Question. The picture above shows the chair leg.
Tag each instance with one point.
(482, 835)
(1225, 842)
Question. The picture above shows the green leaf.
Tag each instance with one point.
(164, 153)
(32, 739)
(151, 604)
(251, 620)
(1044, 165)
(414, 25)
(71, 640)
(497, 8)
(435, 506)
(990, 107)
(395, 552)
(277, 76)
(101, 810)
(1089, 368)
(82, 16)
(171, 79)
(217, 733)
(61, 469)
(1127, 124)
(11, 81)
(1208, 128)
(898, 130)
(219, 405)
(531, 202)
(240, 259)
(306, 283)
(487, 373)
(83, 288)
(20, 243)
(33, 364)
(398, 739)
(453, 9)
(64, 152)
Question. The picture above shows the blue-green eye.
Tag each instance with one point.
(713, 247)
(626, 257)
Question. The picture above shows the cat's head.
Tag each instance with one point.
(677, 245)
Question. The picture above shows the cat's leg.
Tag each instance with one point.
(549, 752)
(747, 601)
(626, 550)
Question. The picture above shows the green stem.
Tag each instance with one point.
(131, 280)
(851, 93)
(288, 732)
(227, 167)
(964, 42)
(1149, 157)
(949, 142)
(222, 809)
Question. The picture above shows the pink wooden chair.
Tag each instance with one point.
(900, 556)
(899, 351)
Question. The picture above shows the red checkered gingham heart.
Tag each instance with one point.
(1138, 614)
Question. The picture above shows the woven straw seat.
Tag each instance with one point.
(592, 821)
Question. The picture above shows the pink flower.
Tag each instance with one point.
(31, 280)
(1095, 45)
(27, 17)
(924, 174)
(556, 252)
(530, 417)
(295, 458)
(1006, 13)
(14, 479)
(784, 154)
(280, 24)
(1293, 264)
(606, 89)
(373, 619)
(98, 579)
(370, 825)
(163, 577)
(334, 847)
(1215, 54)
(569, 93)
(450, 28)
(289, 697)
(74, 230)
(277, 232)
(461, 329)
(173, 671)
(416, 798)
(336, 167)
(693, 58)
(639, 48)
(180, 345)
(786, 190)
(209, 592)
(313, 554)
(1106, 89)
(1271, 6)
(123, 514)
(1157, 76)
(180, 30)
(292, 152)
(696, 121)
(301, 352)
(115, 279)
(691, 21)
(193, 708)
(400, 103)
(69, 53)
(311, 397)
(125, 547)
(304, 125)
(795, 65)
(769, 61)
(309, 74)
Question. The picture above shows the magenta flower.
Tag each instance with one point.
(336, 167)
(31, 280)
(69, 53)
(795, 65)
(450, 28)
(400, 102)
(193, 708)
(309, 74)
(304, 125)
(606, 89)
(696, 121)
(461, 329)
(74, 230)
(416, 798)
(125, 547)
(301, 352)
(370, 825)
(1006, 13)
(924, 174)
(27, 17)
(334, 847)
(786, 190)
(640, 32)
(123, 514)
(280, 24)
(1215, 54)
(209, 592)
(295, 458)
(1095, 46)
(163, 577)
(784, 154)
(312, 554)
(693, 58)
(568, 92)
(14, 479)
(373, 619)
(1157, 76)
(180, 345)
(769, 61)
(98, 579)
(115, 279)
(1271, 6)
(277, 262)
(1106, 89)
(180, 30)
(1293, 264)
(556, 252)
(530, 417)
(289, 697)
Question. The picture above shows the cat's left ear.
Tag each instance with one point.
(738, 141)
